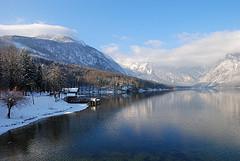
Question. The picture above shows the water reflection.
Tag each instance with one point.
(184, 125)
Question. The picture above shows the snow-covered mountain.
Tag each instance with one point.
(163, 74)
(225, 73)
(58, 38)
(65, 50)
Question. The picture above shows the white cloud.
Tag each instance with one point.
(110, 48)
(202, 51)
(35, 29)
(113, 50)
(186, 37)
(207, 50)
(154, 43)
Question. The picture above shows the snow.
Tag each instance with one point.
(60, 48)
(26, 113)
(185, 75)
(225, 73)
(141, 67)
(58, 38)
(73, 89)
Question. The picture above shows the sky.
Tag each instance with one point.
(176, 32)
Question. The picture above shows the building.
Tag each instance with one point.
(70, 91)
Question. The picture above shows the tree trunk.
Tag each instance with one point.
(9, 112)
(32, 98)
(55, 96)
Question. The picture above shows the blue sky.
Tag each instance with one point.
(99, 22)
(127, 23)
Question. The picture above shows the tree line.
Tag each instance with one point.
(20, 71)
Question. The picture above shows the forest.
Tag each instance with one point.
(22, 72)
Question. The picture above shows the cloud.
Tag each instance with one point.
(207, 50)
(113, 50)
(136, 53)
(154, 43)
(110, 48)
(201, 51)
(186, 37)
(35, 29)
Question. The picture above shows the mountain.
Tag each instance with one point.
(164, 74)
(225, 73)
(64, 49)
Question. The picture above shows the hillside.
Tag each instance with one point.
(76, 76)
(36, 73)
(225, 73)
(63, 49)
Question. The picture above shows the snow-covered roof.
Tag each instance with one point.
(71, 90)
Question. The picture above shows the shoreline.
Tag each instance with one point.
(20, 118)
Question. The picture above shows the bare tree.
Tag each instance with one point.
(11, 99)
(11, 67)
(55, 79)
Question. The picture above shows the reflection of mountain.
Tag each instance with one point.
(212, 116)
(227, 102)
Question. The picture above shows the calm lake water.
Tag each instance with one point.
(181, 126)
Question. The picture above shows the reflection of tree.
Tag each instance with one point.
(16, 142)
(63, 131)
(20, 140)
(53, 128)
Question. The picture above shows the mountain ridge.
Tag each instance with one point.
(163, 74)
(64, 50)
(224, 73)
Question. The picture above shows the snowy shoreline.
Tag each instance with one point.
(26, 113)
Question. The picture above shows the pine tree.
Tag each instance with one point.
(39, 78)
(29, 73)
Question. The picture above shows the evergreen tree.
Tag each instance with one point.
(39, 78)
(29, 73)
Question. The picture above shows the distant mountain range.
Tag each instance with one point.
(163, 74)
(225, 73)
(65, 50)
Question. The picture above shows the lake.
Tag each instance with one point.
(171, 126)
